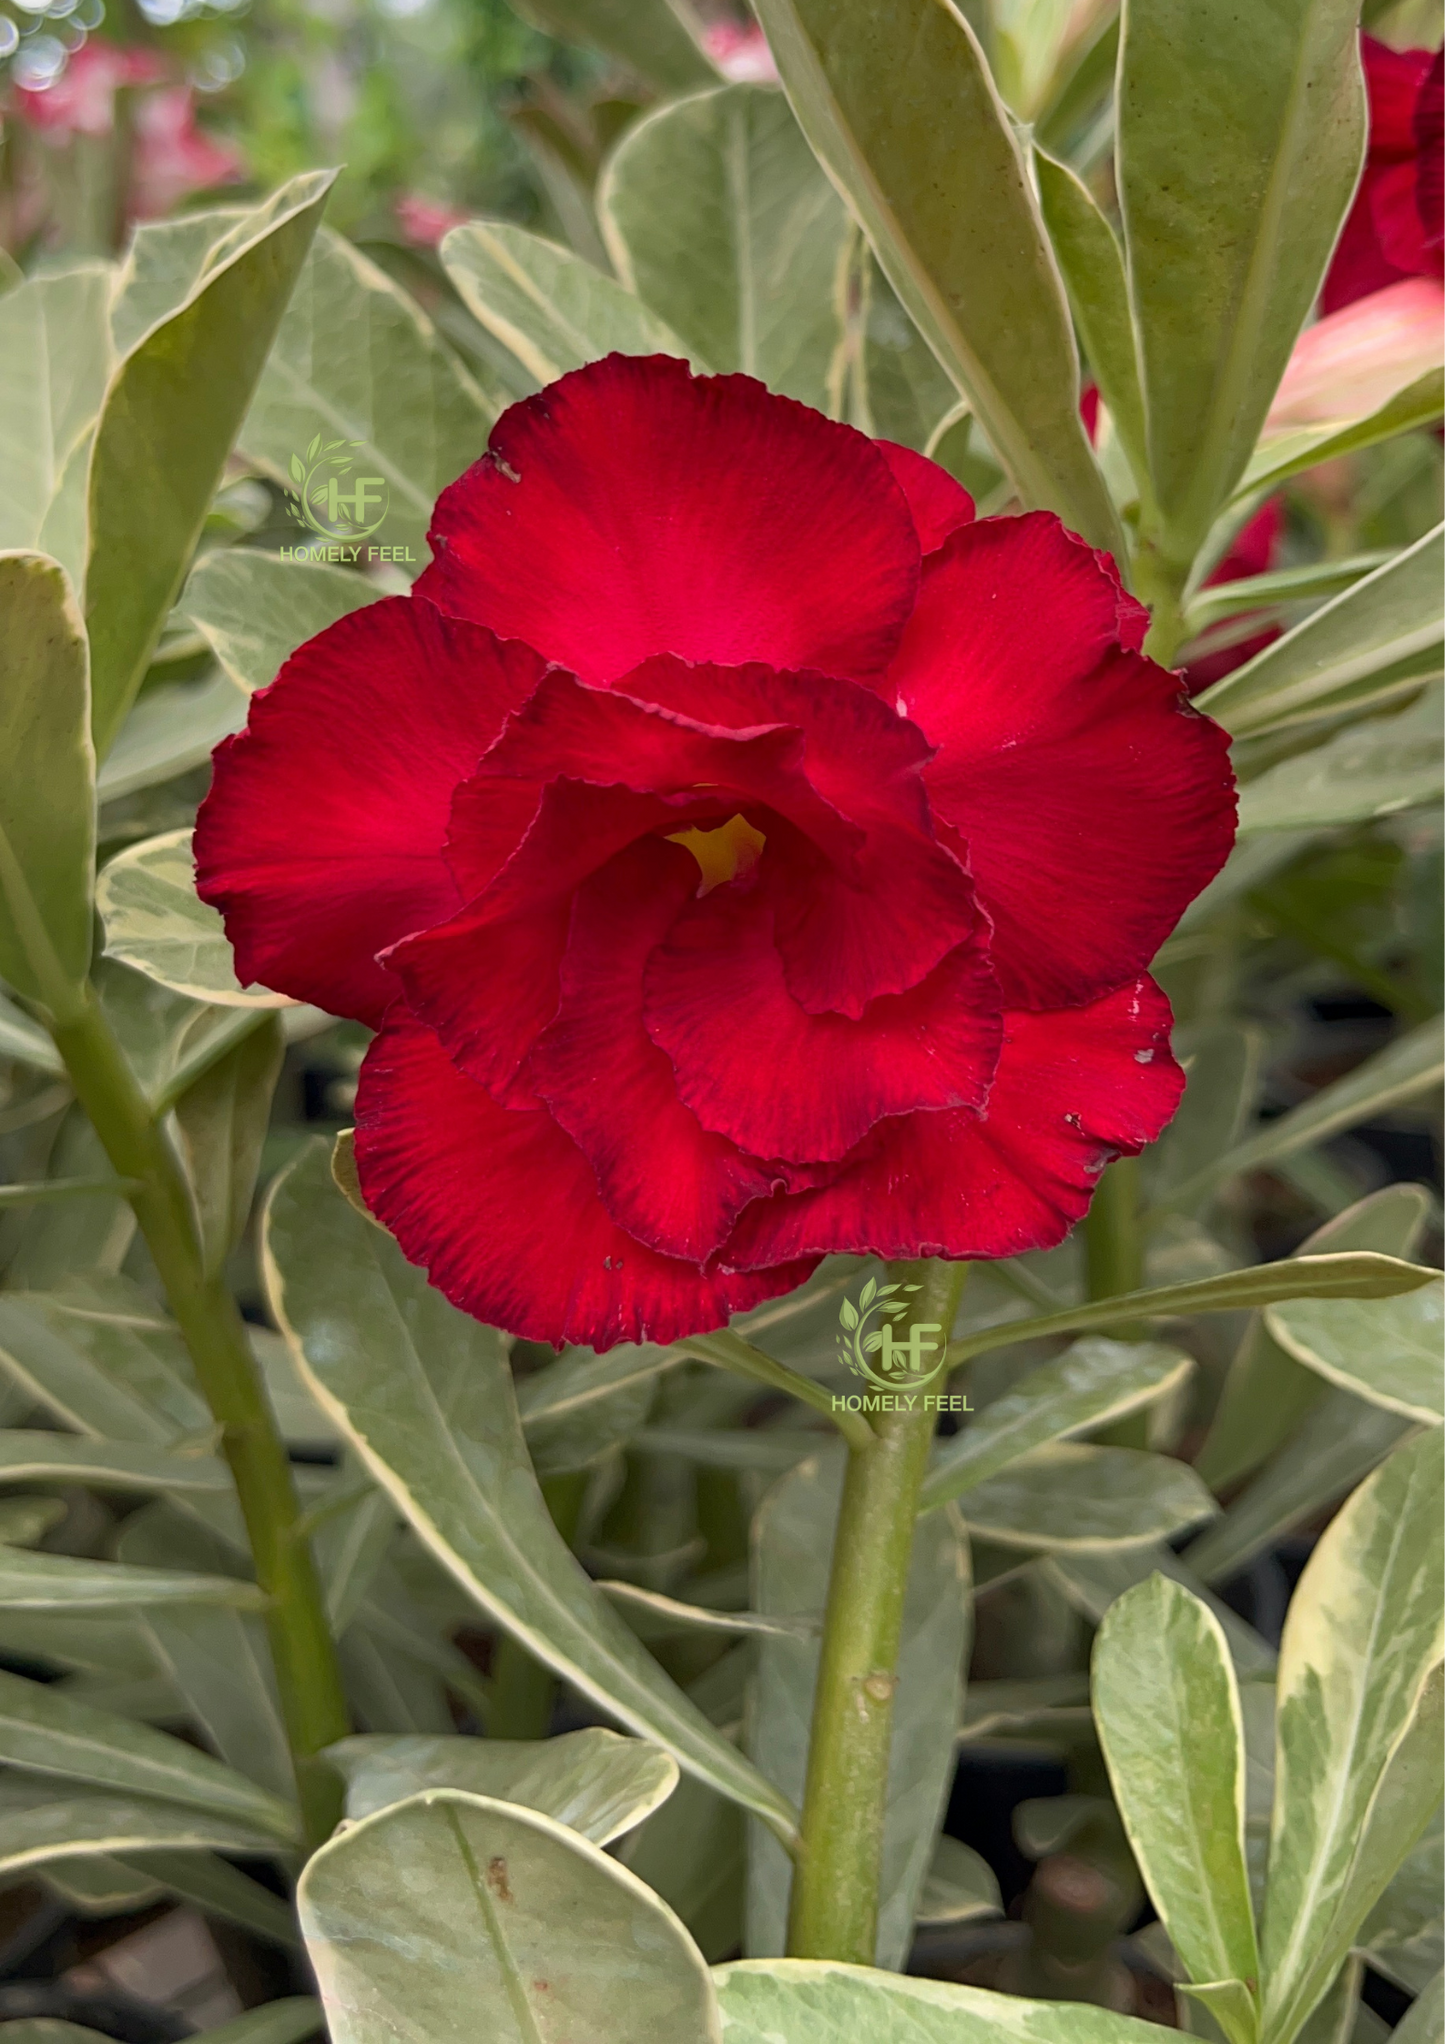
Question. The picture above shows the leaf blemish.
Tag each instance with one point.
(497, 1879)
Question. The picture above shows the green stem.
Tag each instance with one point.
(1113, 1264)
(308, 1679)
(522, 1688)
(834, 1911)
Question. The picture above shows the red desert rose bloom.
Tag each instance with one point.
(741, 852)
(1396, 227)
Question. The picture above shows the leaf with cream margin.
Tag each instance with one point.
(960, 1885)
(1266, 1392)
(792, 1547)
(30, 1456)
(44, 1820)
(1335, 1446)
(44, 1732)
(1167, 1708)
(157, 924)
(549, 307)
(1071, 1497)
(659, 40)
(166, 428)
(254, 609)
(56, 346)
(1236, 158)
(1387, 621)
(1358, 1752)
(593, 1781)
(822, 2001)
(947, 205)
(425, 1396)
(717, 214)
(47, 794)
(171, 729)
(1093, 1383)
(451, 1917)
(1380, 767)
(1387, 1351)
(357, 360)
(576, 1410)
(1424, 2021)
(66, 1582)
(1413, 1064)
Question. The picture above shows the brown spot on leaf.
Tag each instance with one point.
(497, 1879)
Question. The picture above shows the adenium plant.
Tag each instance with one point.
(775, 866)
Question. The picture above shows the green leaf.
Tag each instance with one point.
(157, 924)
(593, 1782)
(456, 1917)
(1358, 1760)
(64, 1582)
(41, 1820)
(45, 1732)
(1283, 455)
(1391, 616)
(579, 1408)
(1266, 1392)
(1091, 1384)
(1404, 1934)
(1236, 158)
(1167, 1708)
(1413, 1064)
(25, 1521)
(1222, 1063)
(163, 265)
(47, 801)
(360, 358)
(653, 38)
(254, 609)
(792, 1546)
(102, 1886)
(947, 205)
(820, 2001)
(169, 731)
(169, 420)
(217, 1659)
(554, 311)
(1093, 266)
(30, 1457)
(1424, 2021)
(655, 1616)
(425, 1396)
(1378, 768)
(1353, 1275)
(960, 1885)
(899, 391)
(1092, 1582)
(1338, 1442)
(1068, 1497)
(55, 344)
(1384, 1350)
(1310, 582)
(692, 1852)
(221, 1122)
(102, 1359)
(220, 1889)
(717, 215)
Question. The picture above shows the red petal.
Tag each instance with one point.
(664, 1177)
(321, 838)
(756, 1067)
(502, 1211)
(1072, 1091)
(1094, 802)
(939, 503)
(632, 508)
(1393, 79)
(879, 922)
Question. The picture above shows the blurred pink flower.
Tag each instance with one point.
(1353, 361)
(82, 99)
(740, 51)
(173, 156)
(425, 221)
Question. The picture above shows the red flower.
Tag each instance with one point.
(742, 853)
(1394, 228)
